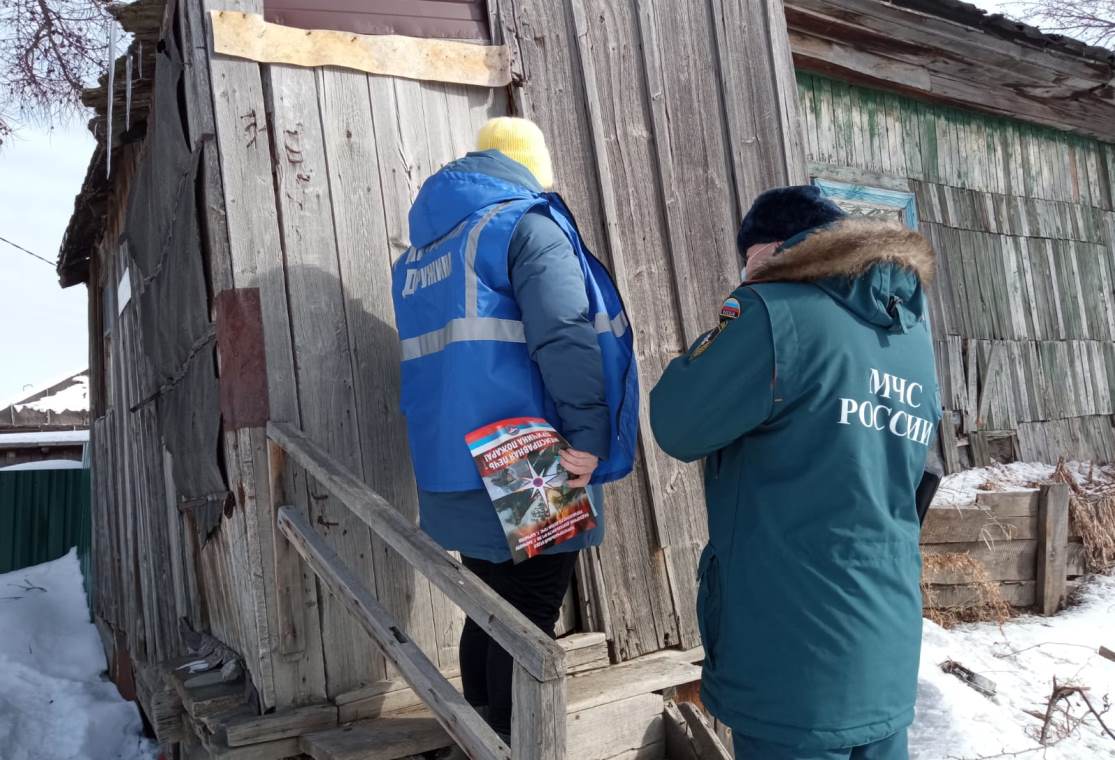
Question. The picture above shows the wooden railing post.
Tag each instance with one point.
(538, 720)
(1053, 537)
(288, 565)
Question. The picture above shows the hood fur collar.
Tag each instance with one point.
(849, 248)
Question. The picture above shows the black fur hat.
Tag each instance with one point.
(784, 212)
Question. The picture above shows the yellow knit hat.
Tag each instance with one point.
(522, 141)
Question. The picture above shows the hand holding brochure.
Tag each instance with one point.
(519, 460)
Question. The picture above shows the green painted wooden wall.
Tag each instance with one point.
(1021, 217)
(44, 514)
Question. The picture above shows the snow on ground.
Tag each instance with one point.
(55, 702)
(961, 489)
(1022, 657)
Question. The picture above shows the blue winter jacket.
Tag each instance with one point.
(550, 291)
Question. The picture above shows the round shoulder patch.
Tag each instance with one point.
(731, 308)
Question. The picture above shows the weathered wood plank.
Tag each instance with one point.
(376, 209)
(643, 618)
(451, 710)
(705, 738)
(256, 254)
(538, 722)
(1053, 530)
(319, 331)
(1016, 594)
(388, 738)
(1004, 560)
(281, 725)
(630, 679)
(947, 525)
(608, 730)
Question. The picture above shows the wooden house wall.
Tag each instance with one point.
(657, 167)
(138, 543)
(665, 119)
(1023, 309)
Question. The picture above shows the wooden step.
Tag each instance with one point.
(396, 736)
(613, 713)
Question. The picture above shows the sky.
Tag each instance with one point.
(43, 331)
(42, 327)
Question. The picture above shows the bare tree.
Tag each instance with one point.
(49, 51)
(1092, 21)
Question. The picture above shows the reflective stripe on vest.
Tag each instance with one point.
(490, 328)
(472, 299)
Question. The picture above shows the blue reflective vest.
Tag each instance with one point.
(465, 362)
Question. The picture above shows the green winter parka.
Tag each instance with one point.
(813, 404)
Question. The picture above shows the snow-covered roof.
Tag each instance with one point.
(48, 438)
(71, 394)
(45, 464)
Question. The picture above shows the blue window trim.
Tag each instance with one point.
(876, 196)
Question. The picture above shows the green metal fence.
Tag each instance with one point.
(43, 514)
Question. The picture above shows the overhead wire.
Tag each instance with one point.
(24, 250)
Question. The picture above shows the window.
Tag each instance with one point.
(863, 200)
(446, 19)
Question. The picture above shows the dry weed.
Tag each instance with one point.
(985, 602)
(1092, 515)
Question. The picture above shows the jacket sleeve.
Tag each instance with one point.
(550, 290)
(721, 389)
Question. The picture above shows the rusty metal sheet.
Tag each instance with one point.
(243, 365)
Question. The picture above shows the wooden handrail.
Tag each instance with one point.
(538, 720)
(458, 717)
(525, 642)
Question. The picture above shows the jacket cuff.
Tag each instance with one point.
(595, 442)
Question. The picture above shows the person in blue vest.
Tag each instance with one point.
(503, 312)
(813, 403)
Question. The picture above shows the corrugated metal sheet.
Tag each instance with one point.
(43, 514)
(448, 19)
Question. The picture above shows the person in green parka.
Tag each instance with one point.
(813, 403)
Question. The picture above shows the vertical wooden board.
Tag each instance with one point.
(644, 616)
(434, 621)
(694, 161)
(911, 139)
(552, 65)
(323, 360)
(827, 130)
(1053, 525)
(624, 155)
(792, 169)
(402, 153)
(554, 97)
(257, 651)
(243, 139)
(842, 151)
(808, 103)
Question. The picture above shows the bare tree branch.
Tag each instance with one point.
(49, 51)
(1091, 21)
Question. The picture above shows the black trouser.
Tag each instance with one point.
(535, 587)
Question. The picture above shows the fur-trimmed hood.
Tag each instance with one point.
(875, 268)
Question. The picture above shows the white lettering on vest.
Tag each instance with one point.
(875, 415)
(432, 273)
(898, 386)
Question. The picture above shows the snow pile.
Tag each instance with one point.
(1022, 657)
(962, 488)
(72, 398)
(55, 703)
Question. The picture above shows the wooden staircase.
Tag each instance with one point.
(568, 702)
(613, 712)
